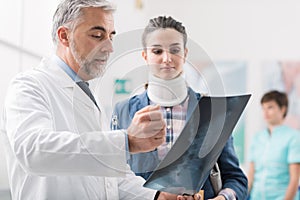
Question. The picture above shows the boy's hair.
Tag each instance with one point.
(279, 97)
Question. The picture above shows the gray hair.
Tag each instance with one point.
(69, 11)
(162, 22)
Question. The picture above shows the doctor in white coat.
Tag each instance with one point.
(52, 128)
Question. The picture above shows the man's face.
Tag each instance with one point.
(91, 43)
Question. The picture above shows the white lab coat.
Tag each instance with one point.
(55, 146)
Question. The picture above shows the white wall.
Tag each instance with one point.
(253, 31)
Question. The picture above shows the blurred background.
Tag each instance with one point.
(252, 44)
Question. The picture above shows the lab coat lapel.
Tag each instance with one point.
(85, 111)
(79, 94)
(68, 85)
(86, 114)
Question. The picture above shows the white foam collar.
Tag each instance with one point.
(167, 92)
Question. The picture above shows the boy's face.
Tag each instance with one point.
(272, 113)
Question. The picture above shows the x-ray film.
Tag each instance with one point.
(188, 163)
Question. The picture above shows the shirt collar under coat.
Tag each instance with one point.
(140, 101)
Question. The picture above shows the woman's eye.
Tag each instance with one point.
(174, 50)
(157, 51)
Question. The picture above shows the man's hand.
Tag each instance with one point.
(147, 130)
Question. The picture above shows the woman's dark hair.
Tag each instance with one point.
(163, 22)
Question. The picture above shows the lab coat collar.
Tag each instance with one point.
(64, 81)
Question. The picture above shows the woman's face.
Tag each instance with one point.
(165, 53)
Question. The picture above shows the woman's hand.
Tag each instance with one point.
(194, 197)
(168, 196)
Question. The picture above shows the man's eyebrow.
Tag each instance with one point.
(102, 29)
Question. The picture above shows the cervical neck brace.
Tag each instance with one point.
(167, 92)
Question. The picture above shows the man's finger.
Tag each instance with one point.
(154, 131)
(151, 116)
(148, 109)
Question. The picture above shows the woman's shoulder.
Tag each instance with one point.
(133, 102)
(197, 95)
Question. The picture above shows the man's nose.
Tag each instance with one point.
(107, 46)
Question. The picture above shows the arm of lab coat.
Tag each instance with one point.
(131, 187)
(42, 150)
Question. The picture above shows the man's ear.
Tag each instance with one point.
(144, 55)
(63, 35)
(284, 110)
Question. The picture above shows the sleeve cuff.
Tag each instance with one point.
(126, 145)
(228, 193)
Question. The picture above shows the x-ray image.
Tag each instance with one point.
(188, 163)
